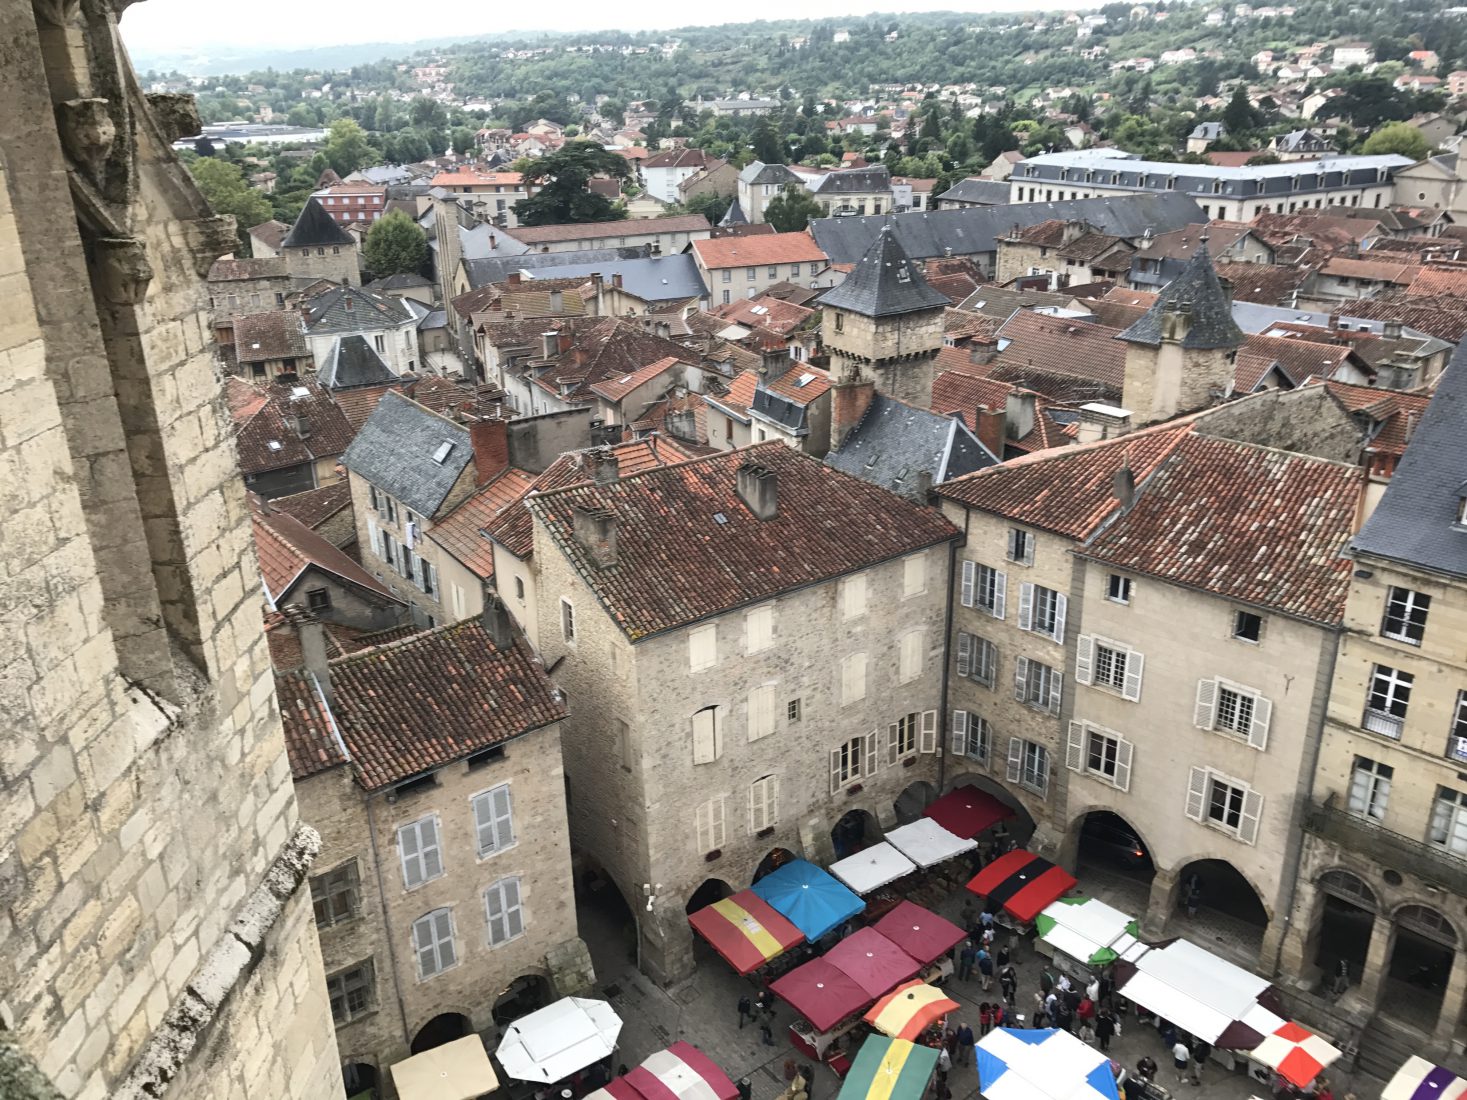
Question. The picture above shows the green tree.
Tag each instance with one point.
(710, 204)
(1239, 116)
(463, 139)
(228, 192)
(395, 244)
(347, 147)
(766, 143)
(562, 177)
(1263, 158)
(1397, 137)
(790, 211)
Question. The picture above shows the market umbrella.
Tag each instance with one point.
(458, 1070)
(1042, 1064)
(552, 1043)
(872, 961)
(889, 1069)
(872, 868)
(966, 811)
(1419, 1079)
(1087, 929)
(811, 899)
(681, 1072)
(926, 843)
(920, 932)
(909, 1009)
(1297, 1053)
(1022, 883)
(822, 993)
(745, 930)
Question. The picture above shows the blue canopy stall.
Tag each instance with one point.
(811, 899)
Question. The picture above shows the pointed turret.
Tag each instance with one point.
(885, 283)
(734, 215)
(315, 228)
(1195, 310)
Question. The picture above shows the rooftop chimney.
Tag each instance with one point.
(1392, 330)
(616, 280)
(604, 466)
(848, 404)
(514, 278)
(758, 487)
(1124, 485)
(313, 652)
(490, 442)
(1019, 413)
(564, 342)
(1100, 421)
(549, 344)
(595, 530)
(493, 244)
(496, 621)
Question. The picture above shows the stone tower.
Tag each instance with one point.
(883, 330)
(156, 930)
(317, 248)
(1179, 354)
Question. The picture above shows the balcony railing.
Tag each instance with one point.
(1389, 849)
(1383, 723)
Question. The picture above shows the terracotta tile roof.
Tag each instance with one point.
(275, 335)
(314, 506)
(1069, 491)
(287, 547)
(1451, 282)
(740, 393)
(628, 227)
(678, 562)
(1049, 233)
(771, 248)
(1266, 284)
(270, 438)
(1060, 349)
(1395, 413)
(467, 177)
(680, 158)
(963, 394)
(1116, 315)
(615, 388)
(270, 233)
(1248, 523)
(229, 269)
(765, 312)
(243, 398)
(788, 385)
(462, 532)
(956, 287)
(1379, 271)
(357, 405)
(410, 706)
(1297, 358)
(1441, 316)
(962, 324)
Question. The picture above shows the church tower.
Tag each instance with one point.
(883, 330)
(1180, 353)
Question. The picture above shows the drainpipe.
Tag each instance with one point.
(386, 924)
(944, 720)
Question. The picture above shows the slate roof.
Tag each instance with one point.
(463, 532)
(394, 451)
(352, 363)
(413, 705)
(270, 232)
(259, 337)
(769, 248)
(1417, 520)
(758, 172)
(1254, 524)
(885, 283)
(229, 270)
(652, 278)
(403, 280)
(315, 506)
(627, 227)
(976, 192)
(895, 442)
(970, 230)
(315, 228)
(286, 548)
(352, 309)
(495, 269)
(853, 181)
(678, 562)
(734, 215)
(1197, 290)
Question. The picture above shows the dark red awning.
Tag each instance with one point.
(966, 811)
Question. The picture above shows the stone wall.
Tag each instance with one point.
(151, 857)
(1308, 420)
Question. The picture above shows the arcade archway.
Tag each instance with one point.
(443, 1028)
(855, 830)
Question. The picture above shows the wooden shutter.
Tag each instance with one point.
(1258, 728)
(1061, 604)
(1021, 678)
(1075, 747)
(494, 909)
(763, 803)
(702, 647)
(443, 934)
(909, 657)
(1248, 819)
(960, 733)
(1000, 594)
(1205, 715)
(965, 654)
(970, 571)
(502, 808)
(1197, 794)
(428, 844)
(1016, 759)
(1084, 659)
(373, 538)
(1131, 688)
(407, 852)
(1123, 764)
(927, 732)
(1056, 689)
(761, 711)
(914, 575)
(705, 736)
(893, 746)
(759, 627)
(514, 914)
(1026, 606)
(834, 771)
(871, 749)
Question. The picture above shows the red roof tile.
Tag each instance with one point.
(272, 438)
(678, 562)
(287, 547)
(771, 248)
(462, 532)
(957, 392)
(1451, 282)
(766, 312)
(787, 385)
(314, 506)
(1061, 357)
(618, 386)
(1298, 358)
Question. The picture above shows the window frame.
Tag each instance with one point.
(1115, 582)
(567, 621)
(1392, 687)
(485, 800)
(499, 888)
(964, 724)
(325, 888)
(1201, 798)
(1029, 765)
(1020, 549)
(1412, 604)
(1027, 687)
(985, 588)
(421, 851)
(978, 659)
(1449, 815)
(763, 803)
(1080, 743)
(436, 946)
(365, 972)
(1373, 780)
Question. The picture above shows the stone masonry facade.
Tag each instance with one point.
(154, 934)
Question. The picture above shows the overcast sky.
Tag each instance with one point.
(295, 24)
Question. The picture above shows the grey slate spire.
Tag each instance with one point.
(315, 228)
(884, 283)
(734, 215)
(1198, 294)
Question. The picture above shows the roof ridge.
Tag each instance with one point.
(541, 494)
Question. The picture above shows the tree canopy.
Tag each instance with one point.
(1397, 137)
(228, 192)
(347, 147)
(790, 211)
(395, 244)
(562, 177)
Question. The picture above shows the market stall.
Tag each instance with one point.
(551, 1044)
(1294, 1052)
(681, 1072)
(926, 843)
(1200, 993)
(811, 899)
(920, 932)
(872, 868)
(909, 1010)
(966, 811)
(889, 1069)
(745, 930)
(872, 961)
(1042, 1064)
(1084, 933)
(1419, 1079)
(822, 993)
(1022, 883)
(459, 1070)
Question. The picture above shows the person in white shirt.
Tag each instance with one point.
(1180, 1056)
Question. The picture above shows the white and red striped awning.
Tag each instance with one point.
(681, 1072)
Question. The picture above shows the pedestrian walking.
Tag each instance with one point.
(1039, 1014)
(1001, 956)
(1105, 1029)
(1085, 1014)
(1180, 1057)
(1092, 989)
(985, 918)
(764, 1004)
(1201, 1051)
(965, 1043)
(999, 1015)
(746, 1090)
(985, 968)
(985, 1018)
(1046, 981)
(1146, 1068)
(766, 1034)
(966, 959)
(1008, 980)
(746, 1010)
(944, 1061)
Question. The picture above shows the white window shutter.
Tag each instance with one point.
(834, 771)
(1197, 794)
(1084, 659)
(1205, 715)
(1000, 594)
(1075, 747)
(756, 806)
(1123, 764)
(1056, 688)
(717, 732)
(927, 732)
(1131, 688)
(892, 745)
(970, 578)
(965, 654)
(1021, 678)
(1061, 603)
(1258, 728)
(909, 657)
(1248, 818)
(1026, 606)
(771, 801)
(374, 537)
(871, 750)
(1016, 759)
(1029, 541)
(960, 733)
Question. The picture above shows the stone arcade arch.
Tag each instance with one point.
(854, 830)
(521, 997)
(915, 798)
(443, 1028)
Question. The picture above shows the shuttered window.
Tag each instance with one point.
(493, 820)
(914, 575)
(1037, 685)
(1233, 709)
(763, 803)
(854, 759)
(1225, 803)
(433, 943)
(763, 711)
(417, 847)
(707, 735)
(971, 736)
(853, 597)
(1042, 610)
(1108, 664)
(504, 911)
(852, 678)
(702, 647)
(1028, 765)
(759, 629)
(983, 587)
(977, 659)
(708, 825)
(909, 656)
(1103, 753)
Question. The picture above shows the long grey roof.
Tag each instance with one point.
(653, 278)
(976, 192)
(968, 231)
(495, 269)
(353, 362)
(315, 228)
(485, 240)
(759, 172)
(895, 442)
(853, 181)
(885, 283)
(1416, 521)
(353, 309)
(395, 452)
(1197, 291)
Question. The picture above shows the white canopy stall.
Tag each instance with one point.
(552, 1043)
(926, 843)
(1196, 990)
(872, 868)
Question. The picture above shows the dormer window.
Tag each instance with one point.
(1462, 504)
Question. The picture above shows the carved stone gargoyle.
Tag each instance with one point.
(88, 133)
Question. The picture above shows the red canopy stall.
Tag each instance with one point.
(920, 932)
(872, 961)
(1023, 883)
(822, 993)
(966, 811)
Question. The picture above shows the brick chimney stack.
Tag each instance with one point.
(490, 442)
(848, 404)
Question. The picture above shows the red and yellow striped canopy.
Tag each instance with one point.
(745, 930)
(909, 1009)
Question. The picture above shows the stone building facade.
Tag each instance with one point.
(150, 949)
